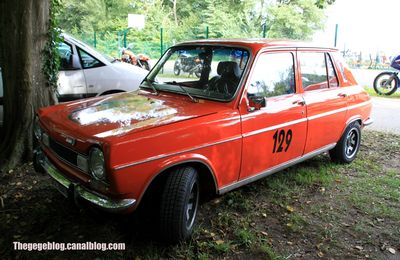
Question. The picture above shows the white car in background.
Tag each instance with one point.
(84, 72)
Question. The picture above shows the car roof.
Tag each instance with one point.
(258, 43)
(85, 47)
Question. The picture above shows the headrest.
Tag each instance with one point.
(228, 68)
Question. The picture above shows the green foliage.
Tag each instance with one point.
(295, 19)
(51, 63)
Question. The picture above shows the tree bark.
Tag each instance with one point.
(23, 34)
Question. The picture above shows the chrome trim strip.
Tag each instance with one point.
(275, 169)
(339, 110)
(102, 202)
(368, 122)
(270, 128)
(161, 156)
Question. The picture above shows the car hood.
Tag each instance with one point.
(123, 113)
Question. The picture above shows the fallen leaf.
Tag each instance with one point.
(290, 209)
(264, 233)
(359, 248)
(289, 243)
(391, 250)
(320, 254)
(219, 242)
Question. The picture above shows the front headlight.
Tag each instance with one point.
(36, 128)
(96, 163)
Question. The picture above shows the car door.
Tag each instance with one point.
(326, 102)
(97, 74)
(275, 133)
(71, 80)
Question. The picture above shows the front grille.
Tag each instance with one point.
(63, 152)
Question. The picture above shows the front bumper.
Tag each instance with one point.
(76, 191)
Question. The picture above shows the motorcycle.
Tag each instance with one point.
(386, 83)
(140, 60)
(189, 64)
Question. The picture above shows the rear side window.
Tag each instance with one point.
(88, 61)
(332, 78)
(317, 71)
(273, 75)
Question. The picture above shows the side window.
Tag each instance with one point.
(65, 52)
(273, 75)
(332, 78)
(88, 61)
(340, 65)
(313, 70)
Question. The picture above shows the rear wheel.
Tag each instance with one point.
(386, 83)
(347, 148)
(145, 65)
(179, 203)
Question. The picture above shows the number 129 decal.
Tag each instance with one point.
(281, 137)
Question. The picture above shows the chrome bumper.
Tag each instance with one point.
(368, 122)
(78, 191)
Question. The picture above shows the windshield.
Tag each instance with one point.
(212, 72)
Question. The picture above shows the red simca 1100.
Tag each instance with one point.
(211, 116)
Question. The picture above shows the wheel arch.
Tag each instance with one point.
(208, 182)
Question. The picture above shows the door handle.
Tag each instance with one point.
(299, 102)
(343, 95)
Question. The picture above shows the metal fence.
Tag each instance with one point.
(111, 43)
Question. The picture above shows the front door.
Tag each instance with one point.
(275, 133)
(71, 80)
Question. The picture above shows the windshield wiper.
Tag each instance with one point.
(195, 100)
(150, 82)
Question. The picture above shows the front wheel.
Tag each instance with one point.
(386, 83)
(177, 68)
(179, 203)
(347, 148)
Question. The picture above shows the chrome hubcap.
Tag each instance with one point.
(191, 207)
(352, 141)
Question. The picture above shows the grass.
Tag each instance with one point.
(311, 210)
(372, 93)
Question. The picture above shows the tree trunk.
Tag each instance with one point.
(23, 34)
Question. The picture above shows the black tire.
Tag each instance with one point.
(145, 65)
(177, 68)
(382, 86)
(347, 148)
(179, 204)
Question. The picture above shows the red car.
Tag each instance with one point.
(259, 106)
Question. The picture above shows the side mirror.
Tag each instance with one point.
(256, 102)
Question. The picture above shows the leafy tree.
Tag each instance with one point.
(297, 19)
(25, 73)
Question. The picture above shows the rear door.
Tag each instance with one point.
(276, 133)
(326, 102)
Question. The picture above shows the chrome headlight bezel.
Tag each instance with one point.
(97, 164)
